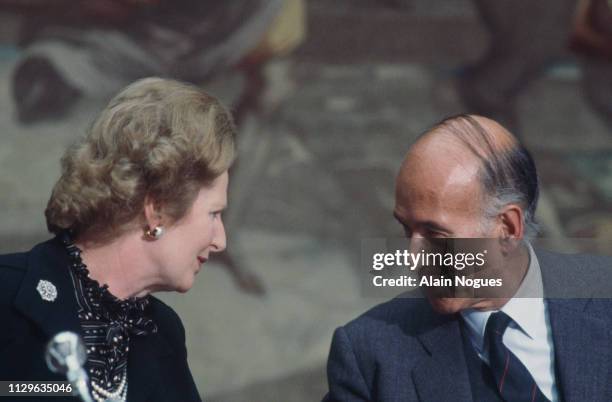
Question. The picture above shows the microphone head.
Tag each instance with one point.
(65, 352)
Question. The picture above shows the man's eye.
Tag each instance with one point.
(439, 243)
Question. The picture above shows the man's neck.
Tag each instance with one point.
(512, 278)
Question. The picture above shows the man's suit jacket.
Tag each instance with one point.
(402, 350)
(157, 363)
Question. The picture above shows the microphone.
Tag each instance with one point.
(66, 354)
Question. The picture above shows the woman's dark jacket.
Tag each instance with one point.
(157, 362)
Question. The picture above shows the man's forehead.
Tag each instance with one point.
(450, 183)
(439, 162)
(438, 178)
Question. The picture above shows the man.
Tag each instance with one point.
(469, 177)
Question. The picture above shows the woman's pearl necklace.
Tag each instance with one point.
(120, 394)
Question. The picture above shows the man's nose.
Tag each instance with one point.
(416, 243)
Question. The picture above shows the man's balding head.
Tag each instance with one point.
(471, 166)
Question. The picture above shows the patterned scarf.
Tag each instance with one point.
(107, 322)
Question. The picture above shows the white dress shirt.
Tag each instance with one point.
(528, 336)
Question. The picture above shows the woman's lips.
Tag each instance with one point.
(202, 260)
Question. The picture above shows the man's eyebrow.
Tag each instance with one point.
(431, 225)
(434, 226)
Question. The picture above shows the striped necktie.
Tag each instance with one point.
(514, 382)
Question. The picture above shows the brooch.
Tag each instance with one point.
(47, 290)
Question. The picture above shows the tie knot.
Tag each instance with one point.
(497, 324)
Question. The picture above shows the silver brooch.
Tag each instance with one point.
(47, 290)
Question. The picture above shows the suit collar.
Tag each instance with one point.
(526, 308)
(48, 261)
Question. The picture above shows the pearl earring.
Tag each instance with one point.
(155, 233)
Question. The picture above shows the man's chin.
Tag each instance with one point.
(450, 305)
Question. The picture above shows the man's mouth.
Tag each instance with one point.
(202, 260)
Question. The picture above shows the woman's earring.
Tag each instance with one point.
(155, 233)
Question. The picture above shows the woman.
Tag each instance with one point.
(136, 210)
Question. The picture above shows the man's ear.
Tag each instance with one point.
(512, 221)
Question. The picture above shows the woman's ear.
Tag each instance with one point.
(152, 213)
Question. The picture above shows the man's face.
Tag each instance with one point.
(438, 195)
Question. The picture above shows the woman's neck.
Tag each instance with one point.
(121, 264)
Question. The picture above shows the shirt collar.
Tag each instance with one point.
(526, 308)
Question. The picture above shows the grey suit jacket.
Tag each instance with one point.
(402, 350)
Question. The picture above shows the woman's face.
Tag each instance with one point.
(188, 243)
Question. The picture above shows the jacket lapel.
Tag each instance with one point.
(442, 376)
(581, 338)
(582, 351)
(48, 262)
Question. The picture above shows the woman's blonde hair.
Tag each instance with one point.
(157, 138)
